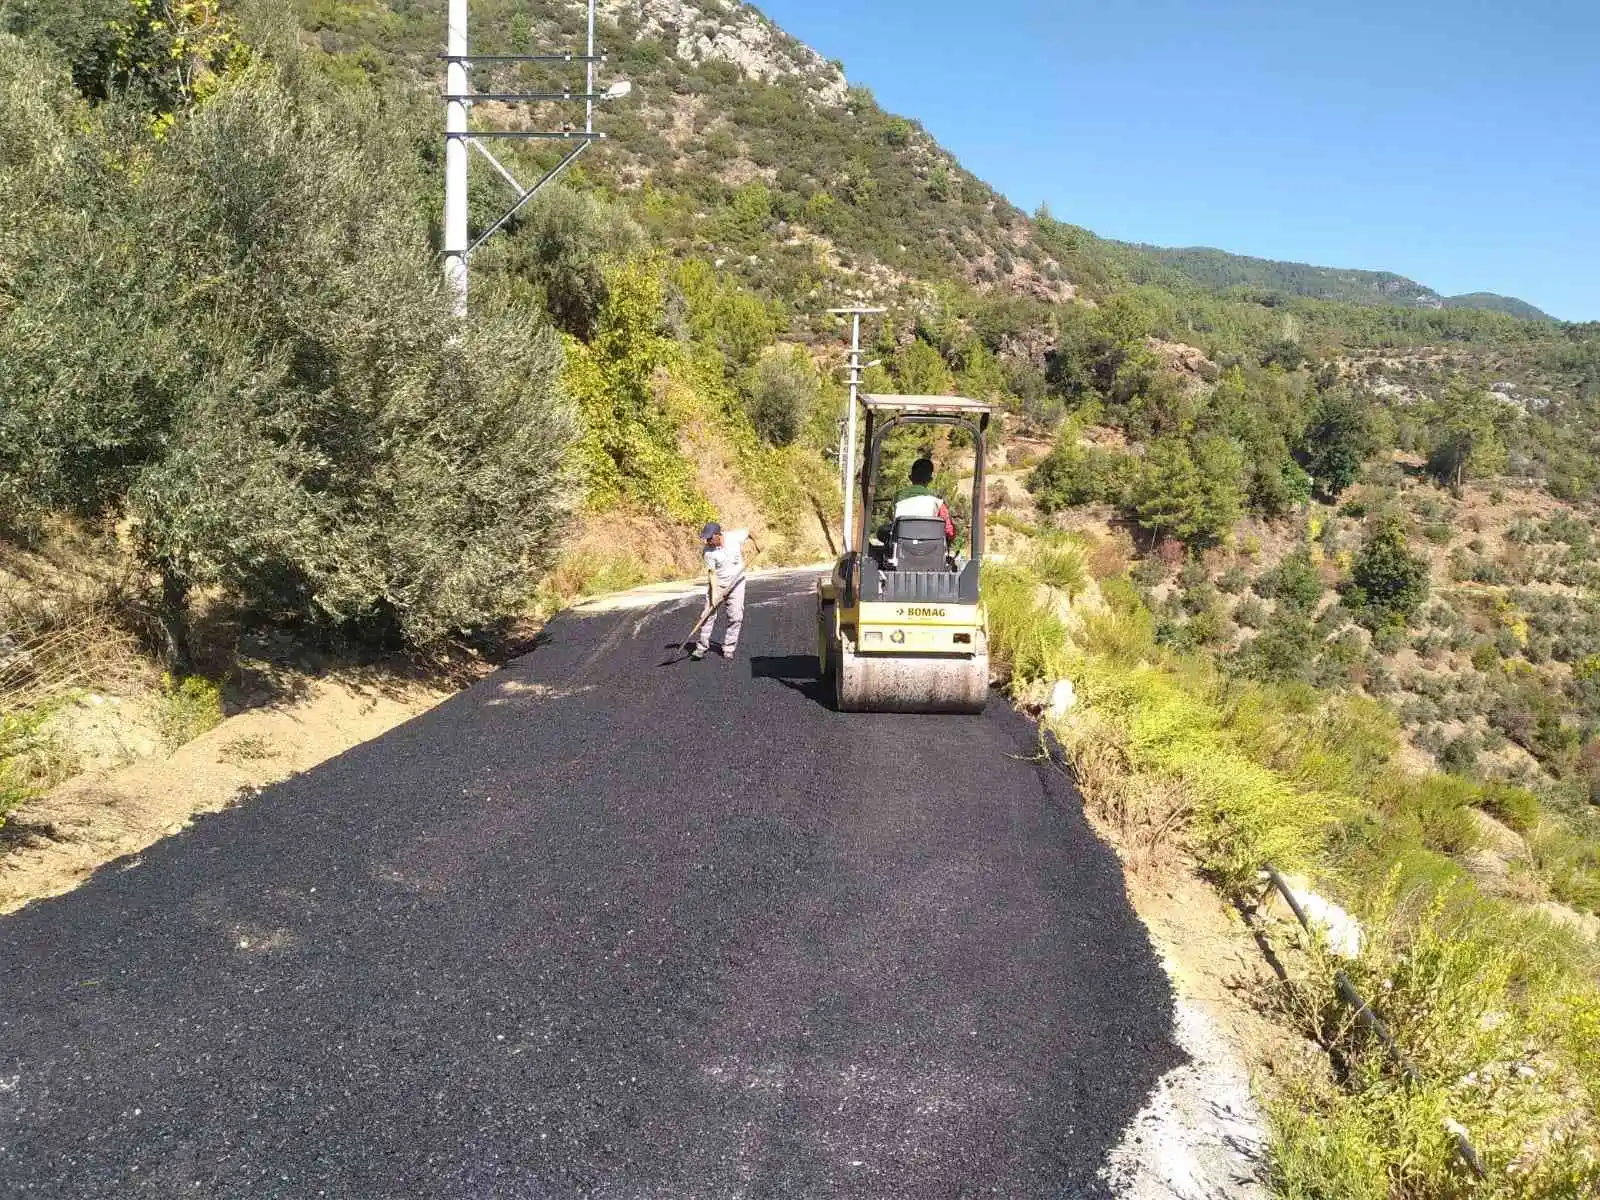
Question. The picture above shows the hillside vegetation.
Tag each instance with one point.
(1343, 610)
(1219, 271)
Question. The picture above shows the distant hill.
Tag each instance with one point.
(1219, 271)
(1509, 305)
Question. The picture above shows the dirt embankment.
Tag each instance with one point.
(50, 845)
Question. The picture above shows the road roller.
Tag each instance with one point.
(900, 622)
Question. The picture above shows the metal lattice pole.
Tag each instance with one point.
(458, 241)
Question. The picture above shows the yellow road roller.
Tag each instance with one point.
(900, 622)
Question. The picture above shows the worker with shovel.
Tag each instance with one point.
(724, 585)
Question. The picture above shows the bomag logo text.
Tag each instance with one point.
(924, 612)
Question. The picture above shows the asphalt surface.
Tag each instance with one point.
(600, 927)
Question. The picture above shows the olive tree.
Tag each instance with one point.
(244, 346)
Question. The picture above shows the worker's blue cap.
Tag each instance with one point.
(710, 531)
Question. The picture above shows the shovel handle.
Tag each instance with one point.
(711, 612)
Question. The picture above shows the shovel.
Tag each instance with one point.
(683, 647)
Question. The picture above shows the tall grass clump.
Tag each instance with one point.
(1568, 861)
(31, 758)
(1027, 638)
(186, 708)
(1061, 563)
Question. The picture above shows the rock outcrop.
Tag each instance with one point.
(735, 33)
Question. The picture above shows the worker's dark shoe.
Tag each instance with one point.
(697, 653)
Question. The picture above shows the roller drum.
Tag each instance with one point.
(911, 683)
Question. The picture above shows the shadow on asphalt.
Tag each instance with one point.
(797, 671)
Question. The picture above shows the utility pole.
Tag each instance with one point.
(455, 156)
(459, 95)
(847, 437)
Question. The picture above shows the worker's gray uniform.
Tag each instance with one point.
(725, 564)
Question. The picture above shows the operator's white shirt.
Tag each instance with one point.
(727, 560)
(918, 506)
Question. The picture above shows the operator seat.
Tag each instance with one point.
(918, 544)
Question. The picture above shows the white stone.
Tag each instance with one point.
(1201, 1135)
(1062, 697)
(1339, 929)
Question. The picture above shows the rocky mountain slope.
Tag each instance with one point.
(724, 100)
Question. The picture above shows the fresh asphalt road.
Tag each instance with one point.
(601, 927)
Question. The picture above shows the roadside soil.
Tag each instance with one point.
(52, 844)
(1203, 1134)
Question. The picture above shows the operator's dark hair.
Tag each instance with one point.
(922, 472)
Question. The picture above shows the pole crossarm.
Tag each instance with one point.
(459, 95)
(469, 59)
(526, 196)
(575, 135)
(527, 97)
(499, 166)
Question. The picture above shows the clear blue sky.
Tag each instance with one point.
(1456, 142)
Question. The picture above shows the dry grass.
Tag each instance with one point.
(1146, 815)
(52, 655)
(65, 626)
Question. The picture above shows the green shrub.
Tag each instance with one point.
(562, 243)
(1285, 649)
(1294, 581)
(1485, 657)
(1388, 639)
(1060, 563)
(186, 709)
(1438, 808)
(1194, 494)
(1388, 584)
(1150, 571)
(1209, 626)
(1338, 438)
(1513, 806)
(780, 390)
(1202, 597)
(1460, 754)
(350, 453)
(1250, 613)
(1324, 1148)
(1072, 475)
(1463, 984)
